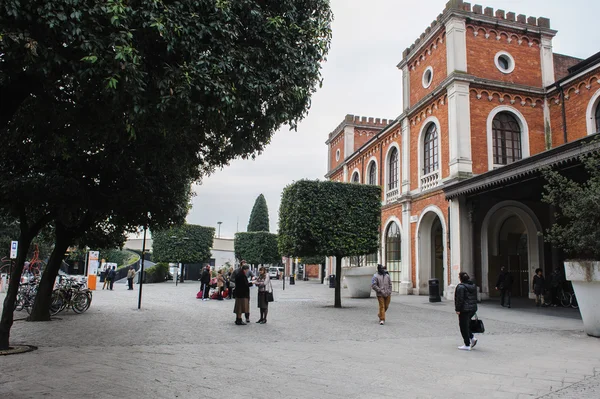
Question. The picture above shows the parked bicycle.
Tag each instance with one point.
(70, 294)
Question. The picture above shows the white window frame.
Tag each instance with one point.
(426, 122)
(369, 163)
(387, 167)
(352, 175)
(423, 82)
(337, 155)
(590, 113)
(511, 67)
(490, 135)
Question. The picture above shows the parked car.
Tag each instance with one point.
(274, 273)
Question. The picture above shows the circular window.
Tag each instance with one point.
(504, 62)
(337, 155)
(427, 77)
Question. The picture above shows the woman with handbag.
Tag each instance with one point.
(465, 305)
(263, 282)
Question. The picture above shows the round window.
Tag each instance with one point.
(427, 77)
(337, 155)
(504, 62)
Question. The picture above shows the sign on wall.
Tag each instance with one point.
(14, 246)
(93, 264)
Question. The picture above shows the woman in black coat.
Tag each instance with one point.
(465, 305)
(242, 296)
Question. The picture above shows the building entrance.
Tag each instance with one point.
(437, 253)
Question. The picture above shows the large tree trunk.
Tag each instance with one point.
(338, 282)
(13, 287)
(43, 298)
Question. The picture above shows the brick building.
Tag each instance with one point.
(486, 103)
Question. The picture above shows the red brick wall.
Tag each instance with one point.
(480, 110)
(429, 56)
(438, 108)
(337, 143)
(481, 53)
(312, 271)
(362, 135)
(562, 63)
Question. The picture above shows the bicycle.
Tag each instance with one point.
(70, 294)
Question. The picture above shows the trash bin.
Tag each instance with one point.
(292, 280)
(332, 281)
(434, 290)
(102, 276)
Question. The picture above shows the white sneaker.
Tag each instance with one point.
(464, 348)
(473, 342)
(381, 322)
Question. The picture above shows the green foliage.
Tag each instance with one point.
(577, 230)
(313, 260)
(329, 219)
(259, 218)
(157, 273)
(186, 244)
(257, 248)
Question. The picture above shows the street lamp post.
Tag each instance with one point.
(219, 233)
(142, 269)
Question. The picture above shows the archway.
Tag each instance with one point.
(509, 237)
(431, 250)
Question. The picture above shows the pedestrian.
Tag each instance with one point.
(242, 296)
(504, 285)
(465, 305)
(130, 276)
(555, 285)
(263, 282)
(112, 275)
(106, 279)
(232, 274)
(538, 287)
(205, 282)
(382, 284)
(220, 284)
(228, 284)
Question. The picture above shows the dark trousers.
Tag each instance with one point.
(504, 294)
(464, 319)
(205, 289)
(111, 283)
(130, 283)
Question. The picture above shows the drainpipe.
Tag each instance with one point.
(564, 114)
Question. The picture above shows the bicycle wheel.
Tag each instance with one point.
(565, 299)
(81, 302)
(58, 302)
(19, 302)
(574, 303)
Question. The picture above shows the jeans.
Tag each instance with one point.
(130, 283)
(384, 304)
(503, 294)
(464, 319)
(111, 283)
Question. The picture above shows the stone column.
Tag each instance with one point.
(405, 156)
(547, 60)
(461, 244)
(459, 130)
(405, 88)
(406, 285)
(456, 45)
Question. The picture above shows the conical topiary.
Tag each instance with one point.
(259, 218)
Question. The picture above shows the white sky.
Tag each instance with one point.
(361, 78)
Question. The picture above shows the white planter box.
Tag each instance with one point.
(358, 280)
(585, 276)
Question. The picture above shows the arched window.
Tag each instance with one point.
(506, 136)
(393, 243)
(430, 150)
(355, 178)
(598, 117)
(373, 173)
(393, 169)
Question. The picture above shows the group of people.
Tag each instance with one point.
(236, 284)
(504, 284)
(465, 302)
(110, 275)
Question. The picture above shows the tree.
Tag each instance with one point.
(313, 260)
(578, 209)
(329, 219)
(85, 85)
(257, 248)
(259, 218)
(186, 244)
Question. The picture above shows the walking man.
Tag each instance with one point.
(504, 284)
(205, 282)
(465, 305)
(382, 284)
(112, 274)
(130, 275)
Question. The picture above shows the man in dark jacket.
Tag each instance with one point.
(465, 305)
(504, 284)
(205, 282)
(112, 275)
(242, 296)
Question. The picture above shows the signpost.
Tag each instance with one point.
(92, 268)
(14, 246)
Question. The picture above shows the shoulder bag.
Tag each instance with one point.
(269, 293)
(476, 325)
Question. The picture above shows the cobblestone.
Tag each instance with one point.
(180, 347)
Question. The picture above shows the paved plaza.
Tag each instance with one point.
(180, 347)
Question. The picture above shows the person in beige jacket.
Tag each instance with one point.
(382, 285)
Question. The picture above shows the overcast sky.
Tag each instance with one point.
(361, 78)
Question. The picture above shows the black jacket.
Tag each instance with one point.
(505, 281)
(205, 277)
(465, 297)
(242, 287)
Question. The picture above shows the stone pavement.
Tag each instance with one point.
(180, 347)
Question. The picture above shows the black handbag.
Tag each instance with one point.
(269, 294)
(476, 325)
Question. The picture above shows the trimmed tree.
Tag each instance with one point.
(186, 244)
(257, 248)
(259, 218)
(329, 219)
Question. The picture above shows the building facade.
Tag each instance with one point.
(483, 96)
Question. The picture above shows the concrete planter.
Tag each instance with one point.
(358, 280)
(585, 277)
